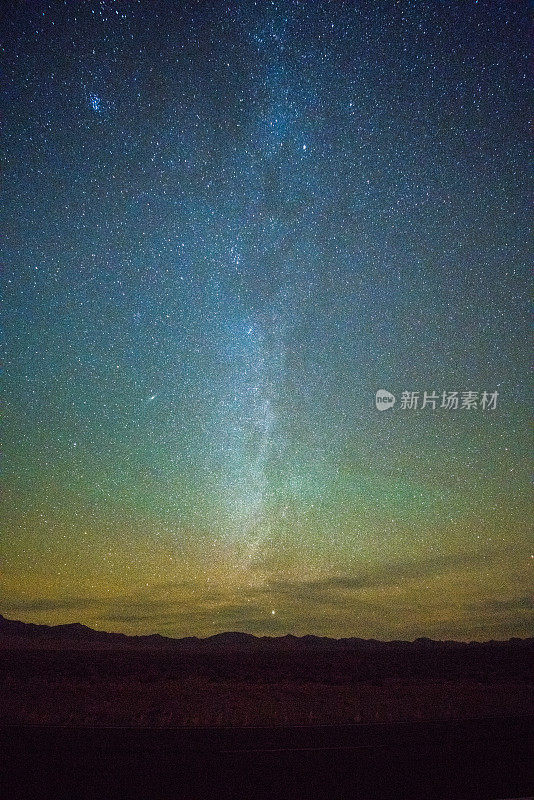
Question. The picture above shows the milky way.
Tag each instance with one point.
(228, 226)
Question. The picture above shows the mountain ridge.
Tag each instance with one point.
(16, 631)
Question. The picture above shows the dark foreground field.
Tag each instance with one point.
(468, 760)
(95, 716)
(171, 688)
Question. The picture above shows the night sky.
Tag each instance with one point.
(227, 225)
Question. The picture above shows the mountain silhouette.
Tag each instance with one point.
(73, 634)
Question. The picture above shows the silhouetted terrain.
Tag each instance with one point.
(72, 675)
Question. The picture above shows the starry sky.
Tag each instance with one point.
(228, 225)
